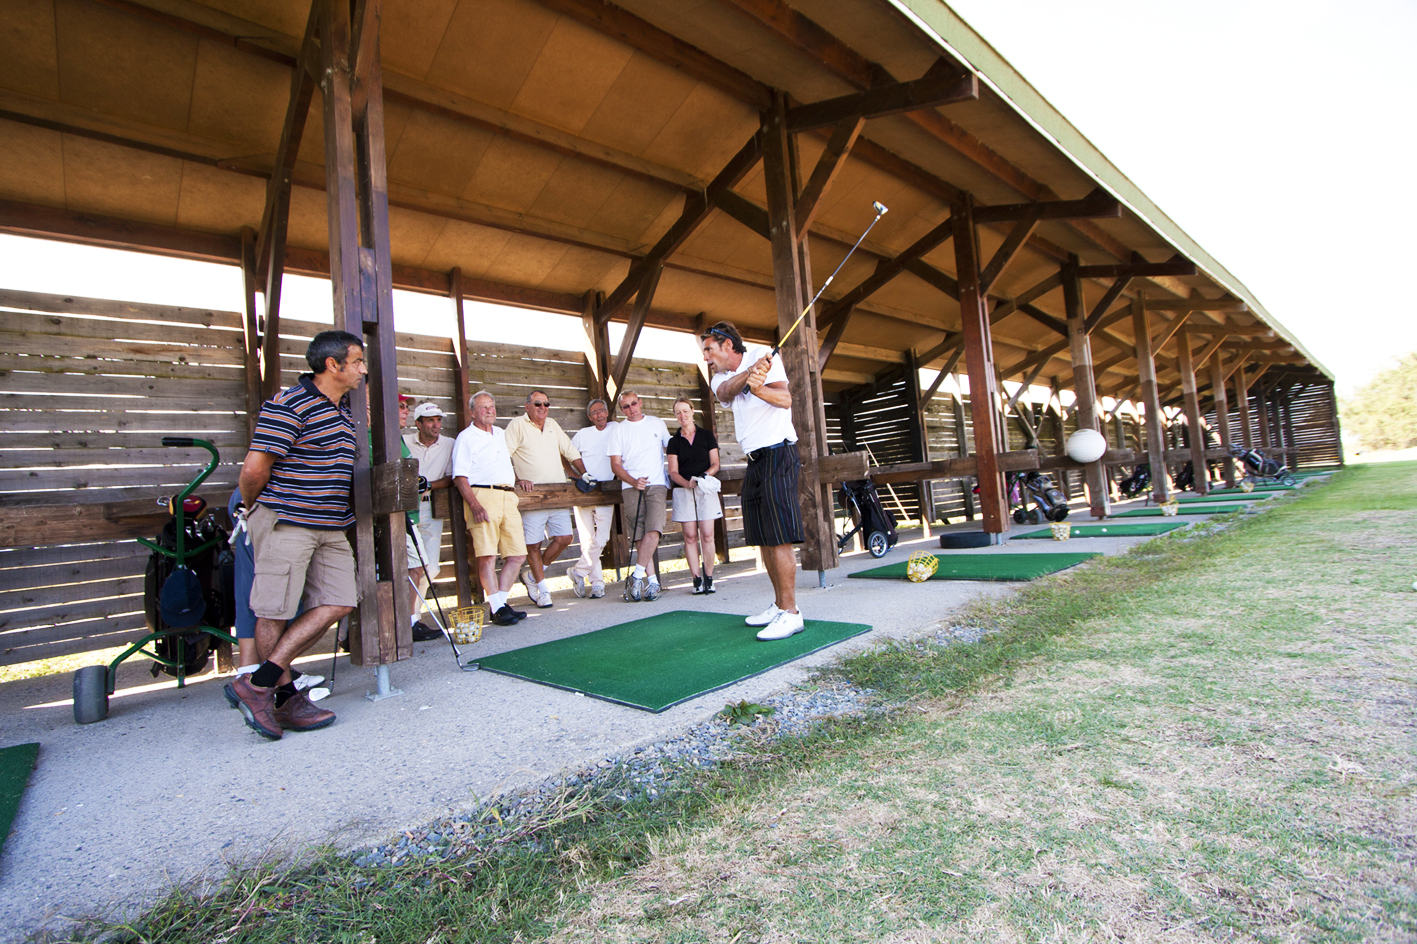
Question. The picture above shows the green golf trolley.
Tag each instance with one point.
(188, 596)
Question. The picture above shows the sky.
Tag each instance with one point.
(1278, 135)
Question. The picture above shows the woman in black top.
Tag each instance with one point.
(692, 453)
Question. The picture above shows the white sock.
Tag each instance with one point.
(639, 570)
(654, 579)
(542, 588)
(247, 669)
(495, 601)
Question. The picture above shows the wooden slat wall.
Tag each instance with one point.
(877, 419)
(88, 388)
(1316, 435)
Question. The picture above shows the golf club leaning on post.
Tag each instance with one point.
(881, 210)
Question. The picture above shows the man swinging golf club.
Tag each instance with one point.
(754, 384)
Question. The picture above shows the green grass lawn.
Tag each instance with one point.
(1210, 738)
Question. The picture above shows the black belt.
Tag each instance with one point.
(500, 488)
(758, 455)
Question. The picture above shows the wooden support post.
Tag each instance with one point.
(984, 399)
(362, 282)
(1262, 419)
(643, 298)
(250, 325)
(799, 354)
(595, 347)
(1200, 472)
(919, 436)
(1084, 386)
(468, 582)
(1286, 418)
(1222, 416)
(1242, 403)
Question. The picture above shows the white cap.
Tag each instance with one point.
(425, 410)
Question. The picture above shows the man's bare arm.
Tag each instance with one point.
(255, 473)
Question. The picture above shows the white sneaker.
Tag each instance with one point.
(578, 585)
(543, 598)
(652, 591)
(528, 583)
(597, 591)
(784, 624)
(765, 617)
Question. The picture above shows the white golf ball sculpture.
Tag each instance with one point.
(1086, 445)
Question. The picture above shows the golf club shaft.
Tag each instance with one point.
(880, 212)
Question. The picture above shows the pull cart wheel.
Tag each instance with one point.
(878, 544)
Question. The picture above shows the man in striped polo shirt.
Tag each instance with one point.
(295, 485)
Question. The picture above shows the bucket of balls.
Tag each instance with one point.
(1247, 485)
(467, 624)
(921, 566)
(1169, 508)
(1061, 530)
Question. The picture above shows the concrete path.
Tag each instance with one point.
(173, 787)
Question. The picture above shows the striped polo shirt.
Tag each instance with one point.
(313, 441)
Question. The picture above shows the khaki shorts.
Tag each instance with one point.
(295, 564)
(430, 529)
(653, 520)
(707, 507)
(501, 533)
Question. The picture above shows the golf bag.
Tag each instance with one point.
(1049, 501)
(868, 517)
(1136, 483)
(1258, 466)
(213, 571)
(1186, 478)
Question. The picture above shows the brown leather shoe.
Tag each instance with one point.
(299, 713)
(257, 706)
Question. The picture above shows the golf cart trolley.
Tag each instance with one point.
(868, 517)
(1258, 467)
(188, 596)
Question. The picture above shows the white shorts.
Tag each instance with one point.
(709, 508)
(536, 525)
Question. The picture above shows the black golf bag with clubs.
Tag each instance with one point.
(868, 516)
(1258, 466)
(1136, 483)
(1049, 502)
(211, 571)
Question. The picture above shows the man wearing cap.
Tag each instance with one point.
(483, 476)
(295, 486)
(434, 453)
(540, 452)
(753, 382)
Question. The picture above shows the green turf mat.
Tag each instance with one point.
(1154, 512)
(15, 766)
(1111, 530)
(658, 662)
(1224, 497)
(1258, 489)
(985, 566)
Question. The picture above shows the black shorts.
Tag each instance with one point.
(772, 512)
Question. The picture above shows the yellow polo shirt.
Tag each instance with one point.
(536, 453)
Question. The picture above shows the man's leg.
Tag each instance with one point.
(511, 566)
(302, 633)
(554, 549)
(533, 559)
(781, 564)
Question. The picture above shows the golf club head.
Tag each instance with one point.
(881, 208)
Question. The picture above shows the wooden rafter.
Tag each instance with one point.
(945, 87)
(831, 162)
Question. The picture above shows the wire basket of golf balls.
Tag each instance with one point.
(1247, 485)
(1169, 508)
(467, 624)
(1062, 530)
(921, 566)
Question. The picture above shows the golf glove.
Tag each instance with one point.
(588, 478)
(239, 526)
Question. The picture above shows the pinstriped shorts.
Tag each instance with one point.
(771, 511)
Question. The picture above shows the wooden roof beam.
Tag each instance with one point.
(936, 88)
(1139, 269)
(830, 164)
(1196, 304)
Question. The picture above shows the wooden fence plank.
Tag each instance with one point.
(121, 310)
(63, 326)
(91, 366)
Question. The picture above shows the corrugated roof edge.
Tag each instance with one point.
(943, 25)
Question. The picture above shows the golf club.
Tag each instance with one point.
(881, 210)
(635, 544)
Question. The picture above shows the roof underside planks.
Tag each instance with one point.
(543, 145)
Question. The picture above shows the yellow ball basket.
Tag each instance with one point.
(1061, 530)
(921, 566)
(1247, 486)
(467, 624)
(1169, 508)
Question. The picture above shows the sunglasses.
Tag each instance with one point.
(540, 402)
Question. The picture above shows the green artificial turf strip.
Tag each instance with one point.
(1111, 530)
(1154, 512)
(16, 763)
(1267, 489)
(1224, 497)
(985, 566)
(657, 662)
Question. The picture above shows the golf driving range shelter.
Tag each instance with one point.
(664, 163)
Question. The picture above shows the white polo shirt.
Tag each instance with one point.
(435, 461)
(482, 457)
(640, 447)
(757, 422)
(593, 444)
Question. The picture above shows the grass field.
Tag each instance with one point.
(1210, 738)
